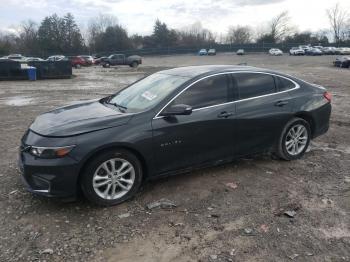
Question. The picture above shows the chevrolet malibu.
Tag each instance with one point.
(170, 122)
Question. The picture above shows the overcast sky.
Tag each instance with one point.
(138, 16)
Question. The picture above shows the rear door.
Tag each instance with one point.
(205, 135)
(262, 110)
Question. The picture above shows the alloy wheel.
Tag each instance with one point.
(113, 178)
(296, 139)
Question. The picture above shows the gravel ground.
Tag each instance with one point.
(227, 213)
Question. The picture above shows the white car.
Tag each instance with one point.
(240, 52)
(296, 51)
(275, 51)
(343, 51)
(56, 58)
(306, 48)
(16, 57)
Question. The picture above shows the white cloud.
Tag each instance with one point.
(138, 16)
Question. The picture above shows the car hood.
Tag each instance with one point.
(78, 119)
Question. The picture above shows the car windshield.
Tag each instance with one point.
(147, 92)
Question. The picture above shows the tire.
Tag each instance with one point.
(106, 65)
(77, 66)
(286, 137)
(96, 168)
(134, 64)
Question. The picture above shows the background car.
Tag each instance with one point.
(329, 50)
(121, 59)
(275, 52)
(313, 52)
(203, 52)
(30, 59)
(240, 52)
(343, 51)
(296, 51)
(306, 48)
(88, 59)
(98, 60)
(343, 62)
(212, 51)
(56, 58)
(77, 61)
(16, 57)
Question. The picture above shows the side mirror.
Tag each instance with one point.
(175, 110)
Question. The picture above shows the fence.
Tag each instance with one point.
(256, 47)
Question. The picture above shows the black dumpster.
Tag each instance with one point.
(11, 70)
(52, 69)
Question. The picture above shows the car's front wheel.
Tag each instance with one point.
(112, 178)
(134, 64)
(294, 140)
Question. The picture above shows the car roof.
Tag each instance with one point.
(196, 71)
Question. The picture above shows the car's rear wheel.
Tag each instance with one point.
(106, 65)
(112, 178)
(294, 140)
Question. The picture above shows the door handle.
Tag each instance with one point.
(281, 103)
(224, 114)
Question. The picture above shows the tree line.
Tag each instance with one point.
(62, 35)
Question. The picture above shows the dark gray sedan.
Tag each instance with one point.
(170, 122)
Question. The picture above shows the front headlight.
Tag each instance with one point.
(50, 152)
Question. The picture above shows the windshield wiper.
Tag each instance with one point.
(120, 107)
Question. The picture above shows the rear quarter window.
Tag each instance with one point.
(254, 84)
(284, 84)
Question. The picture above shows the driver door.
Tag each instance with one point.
(182, 141)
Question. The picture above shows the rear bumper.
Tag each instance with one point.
(321, 117)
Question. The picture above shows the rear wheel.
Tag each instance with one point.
(106, 65)
(112, 178)
(294, 140)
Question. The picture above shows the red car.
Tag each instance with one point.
(77, 61)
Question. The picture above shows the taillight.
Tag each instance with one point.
(328, 96)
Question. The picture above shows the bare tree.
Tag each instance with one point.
(280, 27)
(98, 25)
(195, 34)
(337, 19)
(28, 37)
(239, 35)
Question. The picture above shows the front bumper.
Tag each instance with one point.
(49, 177)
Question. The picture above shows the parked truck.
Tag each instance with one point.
(121, 59)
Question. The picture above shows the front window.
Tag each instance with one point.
(207, 92)
(147, 92)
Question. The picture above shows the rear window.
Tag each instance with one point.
(284, 84)
(254, 84)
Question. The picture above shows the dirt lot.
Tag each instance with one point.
(213, 220)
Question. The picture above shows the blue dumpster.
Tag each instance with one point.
(31, 73)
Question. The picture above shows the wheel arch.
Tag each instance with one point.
(115, 147)
(309, 119)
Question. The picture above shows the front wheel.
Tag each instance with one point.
(134, 64)
(294, 140)
(112, 178)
